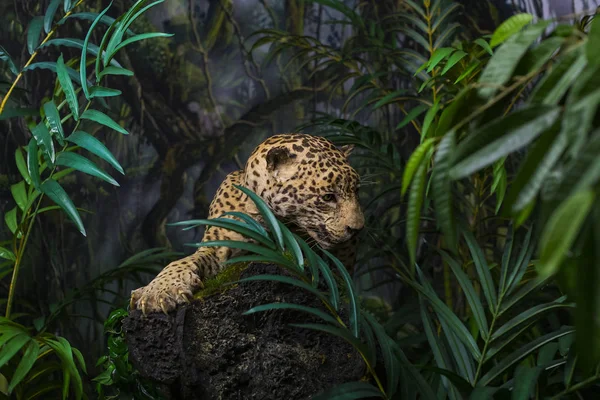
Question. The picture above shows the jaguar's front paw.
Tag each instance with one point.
(169, 289)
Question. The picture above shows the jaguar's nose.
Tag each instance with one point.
(353, 231)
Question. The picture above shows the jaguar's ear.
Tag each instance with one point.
(347, 149)
(281, 164)
(278, 157)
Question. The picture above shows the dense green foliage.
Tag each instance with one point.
(477, 154)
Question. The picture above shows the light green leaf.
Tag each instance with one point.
(592, 51)
(429, 117)
(437, 56)
(67, 86)
(80, 163)
(501, 66)
(25, 365)
(414, 162)
(485, 45)
(19, 193)
(442, 188)
(103, 119)
(33, 33)
(57, 194)
(53, 118)
(454, 58)
(561, 230)
(96, 147)
(414, 113)
(415, 204)
(501, 137)
(13, 346)
(510, 27)
(50, 12)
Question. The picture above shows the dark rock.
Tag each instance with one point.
(209, 350)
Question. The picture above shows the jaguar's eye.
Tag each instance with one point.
(328, 197)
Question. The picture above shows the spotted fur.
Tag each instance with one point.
(305, 180)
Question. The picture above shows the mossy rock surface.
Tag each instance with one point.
(210, 350)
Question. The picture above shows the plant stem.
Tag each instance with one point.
(35, 53)
(20, 252)
(576, 387)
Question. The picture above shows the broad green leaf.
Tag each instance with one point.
(437, 56)
(11, 347)
(58, 195)
(592, 51)
(80, 163)
(510, 27)
(470, 293)
(501, 137)
(556, 83)
(13, 112)
(84, 50)
(533, 171)
(25, 365)
(99, 91)
(561, 231)
(453, 60)
(22, 165)
(33, 166)
(110, 70)
(103, 119)
(96, 147)
(44, 140)
(19, 193)
(67, 87)
(50, 12)
(53, 118)
(33, 33)
(501, 66)
(442, 188)
(7, 254)
(6, 58)
(414, 162)
(415, 204)
(525, 380)
(517, 355)
(414, 113)
(289, 306)
(349, 390)
(483, 271)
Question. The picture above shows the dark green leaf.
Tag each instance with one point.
(58, 195)
(525, 381)
(415, 204)
(11, 347)
(7, 254)
(18, 112)
(80, 163)
(67, 87)
(414, 113)
(392, 366)
(33, 33)
(53, 118)
(101, 118)
(350, 292)
(96, 147)
(92, 16)
(429, 117)
(483, 271)
(50, 12)
(5, 57)
(139, 37)
(592, 51)
(78, 44)
(44, 140)
(267, 214)
(414, 162)
(349, 390)
(232, 225)
(289, 306)
(292, 246)
(561, 231)
(84, 50)
(33, 166)
(501, 137)
(67, 5)
(115, 71)
(560, 79)
(11, 220)
(74, 75)
(22, 165)
(25, 365)
(99, 91)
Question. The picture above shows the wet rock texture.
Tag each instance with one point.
(209, 350)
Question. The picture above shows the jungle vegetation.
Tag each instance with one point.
(476, 129)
